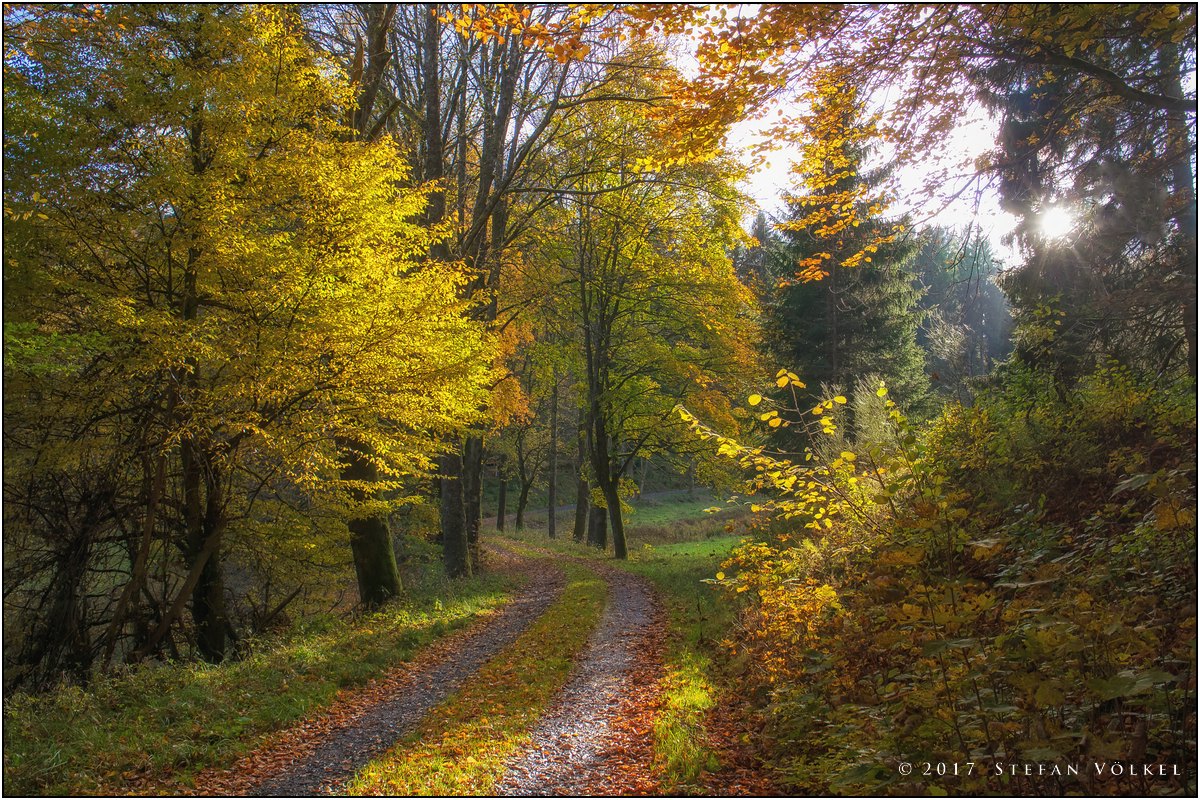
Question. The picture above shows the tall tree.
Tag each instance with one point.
(661, 317)
(847, 306)
(1105, 197)
(215, 281)
(478, 92)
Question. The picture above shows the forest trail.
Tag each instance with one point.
(319, 754)
(596, 737)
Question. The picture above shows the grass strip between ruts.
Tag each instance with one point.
(463, 745)
(698, 621)
(159, 724)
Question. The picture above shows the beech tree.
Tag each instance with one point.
(213, 286)
(476, 92)
(648, 284)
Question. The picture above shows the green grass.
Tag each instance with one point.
(654, 519)
(166, 722)
(672, 508)
(699, 620)
(462, 747)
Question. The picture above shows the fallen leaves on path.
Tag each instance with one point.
(588, 740)
(734, 734)
(287, 749)
(627, 758)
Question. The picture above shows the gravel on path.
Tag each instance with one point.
(570, 748)
(319, 756)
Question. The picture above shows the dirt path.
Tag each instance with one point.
(318, 755)
(595, 739)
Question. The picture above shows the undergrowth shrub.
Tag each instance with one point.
(1013, 583)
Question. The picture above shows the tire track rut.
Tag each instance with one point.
(318, 758)
(569, 753)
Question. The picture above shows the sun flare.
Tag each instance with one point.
(1055, 222)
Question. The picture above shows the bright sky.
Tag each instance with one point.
(974, 136)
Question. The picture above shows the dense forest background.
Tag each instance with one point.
(298, 300)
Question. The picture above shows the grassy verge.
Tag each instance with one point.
(665, 516)
(166, 722)
(698, 622)
(462, 746)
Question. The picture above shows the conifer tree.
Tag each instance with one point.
(846, 305)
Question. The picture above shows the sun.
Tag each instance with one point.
(1055, 222)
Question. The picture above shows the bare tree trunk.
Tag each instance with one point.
(208, 597)
(502, 499)
(583, 491)
(522, 503)
(525, 478)
(371, 540)
(608, 481)
(598, 528)
(612, 497)
(583, 504)
(552, 490)
(472, 486)
(454, 540)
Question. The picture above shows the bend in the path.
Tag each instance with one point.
(309, 765)
(570, 749)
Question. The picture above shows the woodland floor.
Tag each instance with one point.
(596, 737)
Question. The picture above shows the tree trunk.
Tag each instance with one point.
(583, 503)
(208, 611)
(522, 502)
(374, 561)
(552, 489)
(472, 486)
(618, 524)
(455, 551)
(370, 540)
(204, 524)
(612, 497)
(598, 528)
(583, 491)
(502, 499)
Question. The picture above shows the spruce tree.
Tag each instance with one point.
(847, 305)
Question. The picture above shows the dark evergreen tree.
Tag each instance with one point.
(860, 317)
(1118, 279)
